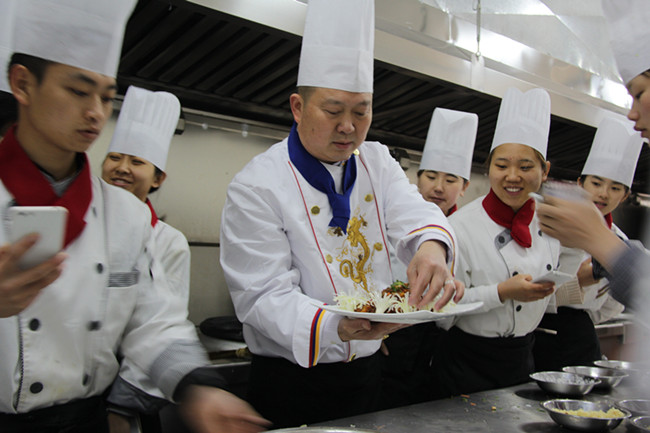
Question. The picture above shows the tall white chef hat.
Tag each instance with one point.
(450, 142)
(146, 125)
(86, 34)
(524, 118)
(627, 22)
(614, 152)
(6, 30)
(338, 45)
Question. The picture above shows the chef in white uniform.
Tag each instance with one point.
(136, 161)
(501, 251)
(443, 177)
(607, 175)
(312, 217)
(64, 322)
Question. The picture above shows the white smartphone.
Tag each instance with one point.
(557, 277)
(48, 221)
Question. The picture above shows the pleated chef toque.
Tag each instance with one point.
(450, 142)
(146, 125)
(614, 152)
(86, 34)
(6, 30)
(524, 118)
(627, 22)
(338, 45)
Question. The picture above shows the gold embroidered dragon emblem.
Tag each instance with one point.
(359, 254)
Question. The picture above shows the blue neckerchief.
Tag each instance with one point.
(321, 179)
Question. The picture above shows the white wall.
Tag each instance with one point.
(200, 165)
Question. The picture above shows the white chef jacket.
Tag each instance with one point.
(595, 296)
(487, 256)
(279, 255)
(110, 298)
(172, 252)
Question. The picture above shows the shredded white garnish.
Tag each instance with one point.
(383, 303)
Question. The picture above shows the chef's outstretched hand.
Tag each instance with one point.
(213, 410)
(362, 329)
(19, 287)
(521, 288)
(428, 268)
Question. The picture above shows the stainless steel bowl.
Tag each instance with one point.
(582, 423)
(636, 370)
(640, 424)
(609, 377)
(637, 407)
(324, 429)
(562, 383)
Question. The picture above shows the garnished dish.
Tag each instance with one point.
(393, 299)
(391, 306)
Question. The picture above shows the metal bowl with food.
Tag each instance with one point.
(609, 377)
(637, 406)
(640, 424)
(584, 415)
(563, 383)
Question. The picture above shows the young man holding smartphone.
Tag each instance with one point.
(64, 322)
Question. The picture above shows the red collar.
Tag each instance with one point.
(609, 220)
(517, 222)
(154, 217)
(29, 187)
(453, 209)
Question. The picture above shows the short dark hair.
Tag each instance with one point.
(306, 92)
(157, 173)
(539, 156)
(583, 177)
(36, 65)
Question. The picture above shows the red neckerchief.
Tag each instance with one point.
(154, 217)
(518, 222)
(453, 209)
(29, 187)
(609, 220)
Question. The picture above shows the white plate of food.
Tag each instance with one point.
(407, 318)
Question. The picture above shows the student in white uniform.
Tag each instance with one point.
(607, 177)
(64, 322)
(136, 161)
(501, 252)
(579, 224)
(312, 217)
(443, 177)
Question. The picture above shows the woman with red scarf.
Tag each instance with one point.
(501, 252)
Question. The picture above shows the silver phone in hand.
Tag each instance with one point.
(48, 221)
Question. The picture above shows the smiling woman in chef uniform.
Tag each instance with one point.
(136, 161)
(501, 252)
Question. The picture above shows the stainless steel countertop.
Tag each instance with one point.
(513, 409)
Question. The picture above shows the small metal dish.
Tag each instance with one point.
(562, 383)
(609, 377)
(640, 424)
(637, 406)
(582, 423)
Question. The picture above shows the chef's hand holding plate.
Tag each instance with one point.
(428, 268)
(364, 329)
(213, 410)
(19, 287)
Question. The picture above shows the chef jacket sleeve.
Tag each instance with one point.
(159, 339)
